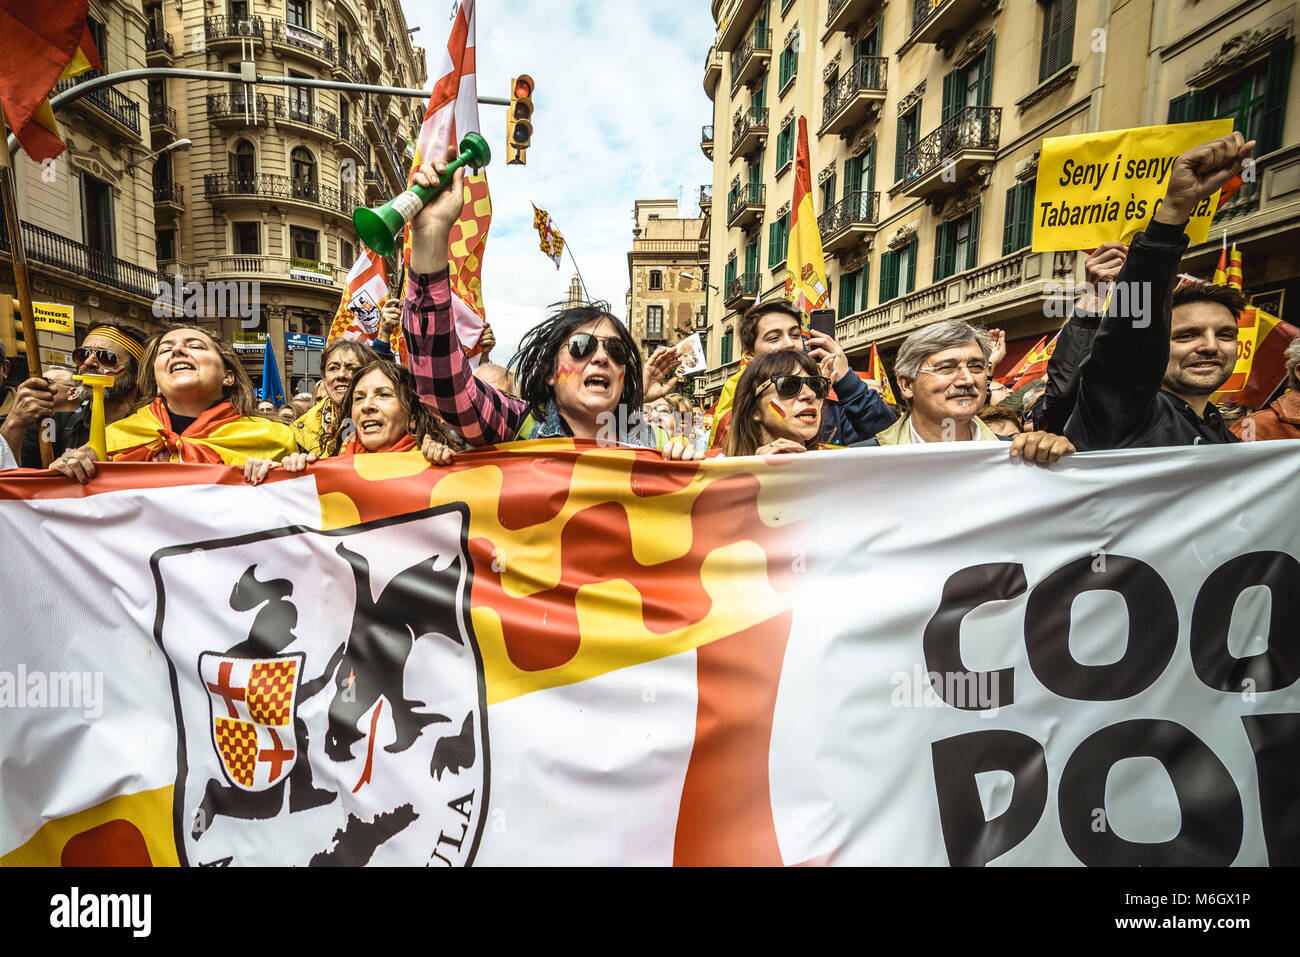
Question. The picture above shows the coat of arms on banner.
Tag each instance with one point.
(329, 695)
(366, 311)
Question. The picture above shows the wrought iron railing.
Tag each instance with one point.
(746, 284)
(273, 186)
(302, 111)
(108, 99)
(857, 207)
(303, 39)
(867, 73)
(706, 195)
(350, 65)
(706, 134)
(750, 194)
(832, 10)
(222, 27)
(224, 105)
(752, 118)
(923, 10)
(169, 193)
(758, 39)
(973, 127)
(52, 249)
(156, 40)
(162, 115)
(351, 133)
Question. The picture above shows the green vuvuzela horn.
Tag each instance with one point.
(378, 228)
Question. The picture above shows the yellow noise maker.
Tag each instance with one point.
(97, 383)
(1102, 187)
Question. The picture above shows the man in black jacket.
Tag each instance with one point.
(1149, 375)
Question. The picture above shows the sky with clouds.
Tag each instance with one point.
(619, 103)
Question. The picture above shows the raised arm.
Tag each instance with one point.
(444, 379)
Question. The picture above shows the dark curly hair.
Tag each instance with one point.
(423, 421)
(535, 361)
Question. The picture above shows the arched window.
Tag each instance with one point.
(302, 169)
(243, 168)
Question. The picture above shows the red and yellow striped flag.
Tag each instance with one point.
(41, 44)
(805, 278)
(1032, 365)
(1262, 339)
(1234, 268)
(1221, 270)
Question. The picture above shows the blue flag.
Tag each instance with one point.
(272, 390)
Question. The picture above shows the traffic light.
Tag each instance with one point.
(519, 121)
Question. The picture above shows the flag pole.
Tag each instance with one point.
(569, 248)
(9, 197)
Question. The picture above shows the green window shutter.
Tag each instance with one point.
(1178, 107)
(1065, 36)
(868, 182)
(974, 237)
(852, 175)
(900, 150)
(954, 94)
(1010, 220)
(940, 251)
(864, 286)
(1051, 25)
(888, 276)
(1026, 225)
(1275, 86)
(751, 257)
(771, 245)
(986, 75)
(848, 295)
(911, 267)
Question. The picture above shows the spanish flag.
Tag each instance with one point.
(41, 44)
(805, 278)
(1032, 365)
(876, 370)
(1261, 341)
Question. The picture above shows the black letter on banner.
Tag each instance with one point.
(1275, 739)
(972, 841)
(1148, 649)
(1208, 802)
(963, 592)
(1278, 665)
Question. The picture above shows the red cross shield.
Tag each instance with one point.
(253, 705)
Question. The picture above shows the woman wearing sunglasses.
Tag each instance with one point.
(778, 406)
(198, 406)
(579, 372)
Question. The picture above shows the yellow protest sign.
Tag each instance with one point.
(1102, 187)
(52, 316)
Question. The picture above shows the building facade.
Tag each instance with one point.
(266, 191)
(667, 269)
(925, 119)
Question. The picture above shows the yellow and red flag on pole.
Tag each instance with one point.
(552, 243)
(41, 44)
(876, 371)
(453, 112)
(1221, 270)
(805, 278)
(1032, 365)
(1262, 339)
(364, 292)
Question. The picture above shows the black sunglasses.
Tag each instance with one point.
(789, 386)
(583, 344)
(106, 356)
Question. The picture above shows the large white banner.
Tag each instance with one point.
(932, 655)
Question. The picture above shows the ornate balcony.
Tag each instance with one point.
(941, 21)
(222, 31)
(752, 59)
(706, 199)
(303, 43)
(748, 131)
(108, 106)
(856, 97)
(965, 141)
(737, 23)
(280, 269)
(157, 47)
(706, 141)
(302, 114)
(264, 187)
(229, 109)
(849, 221)
(169, 198)
(162, 117)
(844, 15)
(745, 205)
(712, 71)
(743, 287)
(351, 139)
(348, 68)
(81, 263)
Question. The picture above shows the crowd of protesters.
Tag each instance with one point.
(1116, 379)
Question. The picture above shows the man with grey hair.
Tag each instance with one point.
(1281, 420)
(943, 372)
(67, 391)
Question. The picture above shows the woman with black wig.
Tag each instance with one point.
(579, 373)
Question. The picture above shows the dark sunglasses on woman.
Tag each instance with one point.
(789, 386)
(583, 344)
(105, 356)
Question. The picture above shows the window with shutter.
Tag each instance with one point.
(907, 267)
(1058, 37)
(751, 258)
(985, 82)
(867, 180)
(888, 276)
(954, 93)
(1274, 111)
(1018, 218)
(852, 175)
(908, 125)
(848, 295)
(942, 240)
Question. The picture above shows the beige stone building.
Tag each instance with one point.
(265, 193)
(667, 269)
(925, 119)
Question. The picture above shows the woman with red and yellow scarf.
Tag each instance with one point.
(198, 408)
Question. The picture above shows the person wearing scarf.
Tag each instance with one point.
(198, 410)
(385, 415)
(318, 428)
